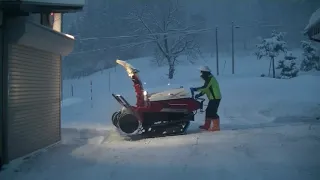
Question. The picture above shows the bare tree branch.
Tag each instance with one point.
(171, 37)
(172, 10)
(156, 22)
(139, 17)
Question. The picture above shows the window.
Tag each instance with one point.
(52, 20)
(46, 19)
(57, 22)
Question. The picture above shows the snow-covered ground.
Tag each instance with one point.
(269, 129)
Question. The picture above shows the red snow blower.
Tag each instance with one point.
(163, 113)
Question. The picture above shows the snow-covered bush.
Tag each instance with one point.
(288, 66)
(311, 59)
(271, 47)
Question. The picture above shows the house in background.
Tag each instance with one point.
(312, 30)
(31, 47)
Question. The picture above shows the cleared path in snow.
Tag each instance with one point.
(279, 152)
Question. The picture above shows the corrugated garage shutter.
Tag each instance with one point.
(34, 100)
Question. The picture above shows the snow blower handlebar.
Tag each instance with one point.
(122, 101)
(193, 96)
(201, 100)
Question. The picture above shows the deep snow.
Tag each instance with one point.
(270, 130)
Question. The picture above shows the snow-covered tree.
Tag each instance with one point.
(271, 47)
(288, 66)
(311, 59)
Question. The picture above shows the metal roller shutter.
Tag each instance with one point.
(1, 94)
(34, 100)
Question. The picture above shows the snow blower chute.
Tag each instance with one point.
(163, 113)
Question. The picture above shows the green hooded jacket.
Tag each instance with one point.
(210, 88)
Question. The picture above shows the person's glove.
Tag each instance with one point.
(193, 89)
(197, 96)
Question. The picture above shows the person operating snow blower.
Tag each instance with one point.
(212, 90)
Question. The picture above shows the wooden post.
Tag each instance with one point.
(71, 90)
(91, 94)
(109, 81)
(232, 46)
(217, 51)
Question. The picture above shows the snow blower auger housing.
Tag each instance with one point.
(163, 113)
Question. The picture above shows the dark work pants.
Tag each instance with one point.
(212, 109)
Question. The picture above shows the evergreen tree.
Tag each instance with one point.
(311, 59)
(288, 66)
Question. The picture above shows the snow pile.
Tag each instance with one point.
(314, 19)
(70, 101)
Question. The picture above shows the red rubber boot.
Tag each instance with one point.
(206, 125)
(216, 125)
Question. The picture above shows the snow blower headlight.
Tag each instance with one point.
(145, 97)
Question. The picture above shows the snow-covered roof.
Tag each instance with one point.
(314, 19)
